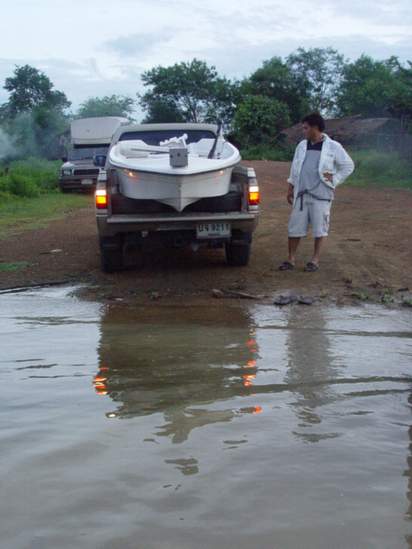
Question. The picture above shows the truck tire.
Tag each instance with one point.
(111, 254)
(237, 255)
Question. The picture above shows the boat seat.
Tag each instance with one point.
(129, 149)
(204, 146)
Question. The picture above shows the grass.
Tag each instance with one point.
(380, 169)
(372, 167)
(18, 214)
(362, 295)
(16, 266)
(30, 197)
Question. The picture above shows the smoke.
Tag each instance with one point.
(32, 134)
(7, 146)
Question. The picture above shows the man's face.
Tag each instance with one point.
(310, 132)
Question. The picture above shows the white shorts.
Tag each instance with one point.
(315, 213)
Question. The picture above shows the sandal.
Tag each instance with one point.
(286, 266)
(311, 267)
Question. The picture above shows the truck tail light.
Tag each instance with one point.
(101, 199)
(254, 195)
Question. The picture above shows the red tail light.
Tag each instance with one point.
(254, 195)
(101, 199)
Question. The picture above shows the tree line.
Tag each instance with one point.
(253, 110)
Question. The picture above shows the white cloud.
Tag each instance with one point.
(140, 43)
(82, 79)
(95, 48)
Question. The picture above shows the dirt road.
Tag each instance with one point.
(369, 249)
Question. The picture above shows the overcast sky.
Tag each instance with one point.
(97, 47)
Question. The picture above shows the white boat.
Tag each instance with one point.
(176, 171)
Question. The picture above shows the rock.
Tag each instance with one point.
(236, 287)
(217, 293)
(55, 251)
(241, 295)
(231, 293)
(285, 299)
(379, 283)
(306, 300)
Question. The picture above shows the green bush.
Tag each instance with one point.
(5, 197)
(21, 185)
(29, 178)
(268, 152)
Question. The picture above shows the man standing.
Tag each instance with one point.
(319, 165)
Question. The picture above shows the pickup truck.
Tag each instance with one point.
(89, 137)
(227, 221)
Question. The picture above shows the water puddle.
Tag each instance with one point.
(185, 427)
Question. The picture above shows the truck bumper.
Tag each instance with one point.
(75, 183)
(245, 222)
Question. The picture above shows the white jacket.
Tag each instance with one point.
(333, 159)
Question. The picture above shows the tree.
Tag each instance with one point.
(401, 101)
(275, 80)
(192, 92)
(259, 120)
(322, 69)
(109, 105)
(30, 88)
(33, 116)
(162, 111)
(368, 87)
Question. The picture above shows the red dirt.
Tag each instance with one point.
(369, 247)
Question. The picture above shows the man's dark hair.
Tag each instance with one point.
(315, 119)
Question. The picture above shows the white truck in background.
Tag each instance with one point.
(89, 137)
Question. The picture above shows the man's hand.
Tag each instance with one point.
(328, 176)
(289, 196)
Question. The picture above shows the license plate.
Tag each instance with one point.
(87, 182)
(213, 230)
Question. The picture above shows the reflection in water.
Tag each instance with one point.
(73, 478)
(310, 364)
(186, 466)
(177, 368)
(408, 475)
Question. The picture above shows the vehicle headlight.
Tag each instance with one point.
(67, 171)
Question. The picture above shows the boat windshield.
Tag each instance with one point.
(154, 137)
(86, 153)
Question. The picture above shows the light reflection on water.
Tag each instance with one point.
(204, 427)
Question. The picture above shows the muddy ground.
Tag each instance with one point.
(368, 253)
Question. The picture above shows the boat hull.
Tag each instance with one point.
(177, 191)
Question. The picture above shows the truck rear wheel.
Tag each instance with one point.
(237, 255)
(111, 254)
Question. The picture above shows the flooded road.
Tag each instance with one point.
(177, 427)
